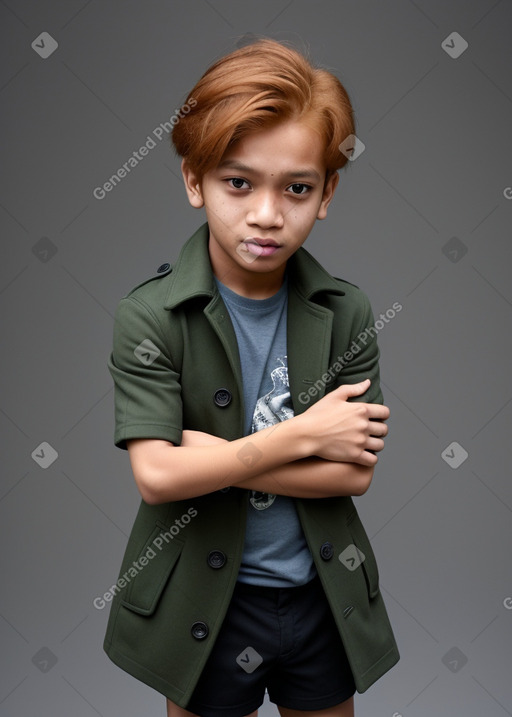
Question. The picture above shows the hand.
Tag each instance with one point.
(343, 431)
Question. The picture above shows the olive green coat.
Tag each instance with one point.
(174, 348)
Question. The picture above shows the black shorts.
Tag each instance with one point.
(280, 639)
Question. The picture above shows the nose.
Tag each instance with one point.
(265, 211)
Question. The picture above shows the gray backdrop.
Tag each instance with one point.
(422, 218)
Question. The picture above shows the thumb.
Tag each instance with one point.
(348, 390)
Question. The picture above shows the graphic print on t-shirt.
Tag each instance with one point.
(273, 407)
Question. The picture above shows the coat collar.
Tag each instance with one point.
(193, 276)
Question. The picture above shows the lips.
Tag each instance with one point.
(261, 247)
(262, 242)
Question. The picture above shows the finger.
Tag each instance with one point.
(378, 428)
(374, 444)
(347, 390)
(366, 459)
(378, 412)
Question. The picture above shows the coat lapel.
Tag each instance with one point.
(218, 316)
(309, 328)
(309, 340)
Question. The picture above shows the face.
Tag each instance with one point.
(261, 203)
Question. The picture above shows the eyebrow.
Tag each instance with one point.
(295, 174)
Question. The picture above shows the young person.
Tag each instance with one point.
(247, 395)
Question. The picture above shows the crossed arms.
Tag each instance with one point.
(325, 451)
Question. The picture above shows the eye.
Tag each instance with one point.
(299, 188)
(238, 182)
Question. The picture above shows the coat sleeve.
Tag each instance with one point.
(147, 387)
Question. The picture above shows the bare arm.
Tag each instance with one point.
(333, 429)
(313, 478)
(306, 478)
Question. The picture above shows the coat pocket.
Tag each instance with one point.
(156, 561)
(369, 564)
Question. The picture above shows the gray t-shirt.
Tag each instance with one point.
(275, 552)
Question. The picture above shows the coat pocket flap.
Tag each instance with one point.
(153, 568)
(362, 543)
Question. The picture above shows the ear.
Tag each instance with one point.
(328, 194)
(192, 185)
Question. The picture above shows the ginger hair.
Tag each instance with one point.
(254, 87)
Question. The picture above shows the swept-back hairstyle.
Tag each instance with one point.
(254, 87)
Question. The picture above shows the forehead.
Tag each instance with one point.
(289, 148)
